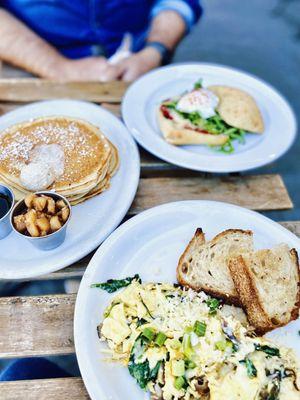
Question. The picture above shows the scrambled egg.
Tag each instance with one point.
(179, 344)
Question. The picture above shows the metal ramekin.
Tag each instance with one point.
(52, 240)
(5, 226)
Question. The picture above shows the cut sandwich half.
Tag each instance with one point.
(204, 265)
(237, 108)
(181, 131)
(268, 285)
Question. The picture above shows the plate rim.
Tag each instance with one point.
(108, 244)
(93, 244)
(189, 164)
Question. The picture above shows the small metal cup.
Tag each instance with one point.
(52, 240)
(5, 226)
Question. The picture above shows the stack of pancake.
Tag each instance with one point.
(90, 159)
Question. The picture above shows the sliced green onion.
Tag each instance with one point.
(221, 345)
(160, 339)
(188, 329)
(190, 364)
(175, 344)
(187, 346)
(178, 367)
(179, 383)
(213, 304)
(149, 334)
(199, 328)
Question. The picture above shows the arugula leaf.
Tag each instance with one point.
(198, 84)
(112, 285)
(271, 351)
(251, 370)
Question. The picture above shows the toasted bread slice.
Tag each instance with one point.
(203, 266)
(268, 284)
(181, 132)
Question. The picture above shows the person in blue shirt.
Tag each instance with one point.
(75, 39)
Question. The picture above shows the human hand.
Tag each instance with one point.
(85, 69)
(139, 63)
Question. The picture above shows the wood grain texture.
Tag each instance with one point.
(33, 89)
(259, 192)
(44, 389)
(37, 325)
(43, 325)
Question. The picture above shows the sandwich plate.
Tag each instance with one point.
(150, 245)
(93, 220)
(140, 104)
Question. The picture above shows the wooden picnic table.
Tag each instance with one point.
(43, 325)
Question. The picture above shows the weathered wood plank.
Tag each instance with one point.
(37, 325)
(33, 89)
(293, 226)
(43, 325)
(258, 192)
(44, 389)
(5, 107)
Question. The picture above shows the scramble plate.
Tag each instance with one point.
(150, 245)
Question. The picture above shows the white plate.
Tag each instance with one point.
(93, 220)
(144, 96)
(150, 244)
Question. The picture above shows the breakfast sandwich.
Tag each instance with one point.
(214, 116)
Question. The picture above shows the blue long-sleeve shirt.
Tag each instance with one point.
(80, 28)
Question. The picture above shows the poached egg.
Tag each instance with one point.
(200, 100)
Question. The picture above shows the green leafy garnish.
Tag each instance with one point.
(198, 84)
(251, 370)
(213, 304)
(271, 351)
(112, 285)
(141, 371)
(154, 371)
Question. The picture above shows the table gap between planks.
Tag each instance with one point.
(43, 325)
